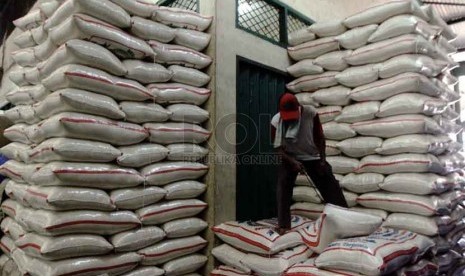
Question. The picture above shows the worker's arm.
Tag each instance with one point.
(286, 158)
(319, 137)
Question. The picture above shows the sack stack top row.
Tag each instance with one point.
(107, 152)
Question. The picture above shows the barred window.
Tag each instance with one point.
(269, 19)
(192, 5)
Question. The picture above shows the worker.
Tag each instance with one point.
(298, 137)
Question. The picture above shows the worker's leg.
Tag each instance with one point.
(285, 185)
(324, 180)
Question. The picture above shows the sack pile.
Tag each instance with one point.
(106, 144)
(382, 83)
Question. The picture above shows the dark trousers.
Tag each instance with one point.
(323, 178)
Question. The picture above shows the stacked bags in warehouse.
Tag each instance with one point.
(257, 249)
(382, 83)
(106, 154)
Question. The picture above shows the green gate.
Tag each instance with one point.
(258, 90)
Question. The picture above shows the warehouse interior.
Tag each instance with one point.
(236, 58)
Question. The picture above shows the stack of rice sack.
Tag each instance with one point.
(382, 85)
(105, 153)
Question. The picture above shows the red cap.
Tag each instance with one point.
(289, 107)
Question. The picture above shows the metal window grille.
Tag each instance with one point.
(192, 5)
(269, 19)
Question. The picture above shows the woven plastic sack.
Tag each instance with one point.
(306, 194)
(185, 265)
(87, 78)
(360, 146)
(338, 95)
(342, 164)
(143, 8)
(175, 54)
(304, 67)
(170, 210)
(146, 271)
(435, 19)
(150, 30)
(181, 18)
(169, 133)
(414, 143)
(300, 36)
(306, 99)
(411, 63)
(7, 245)
(179, 93)
(136, 239)
(407, 162)
(333, 61)
(327, 28)
(308, 268)
(313, 49)
(356, 37)
(168, 172)
(358, 112)
(79, 26)
(307, 209)
(184, 227)
(224, 270)
(21, 114)
(135, 198)
(192, 39)
(12, 228)
(338, 131)
(184, 189)
(358, 75)
(94, 175)
(188, 113)
(189, 76)
(138, 112)
(141, 155)
(419, 224)
(232, 257)
(297, 222)
(328, 113)
(331, 148)
(27, 94)
(16, 151)
(411, 103)
(146, 72)
(25, 40)
(313, 82)
(25, 57)
(31, 20)
(376, 212)
(11, 208)
(44, 50)
(362, 183)
(18, 171)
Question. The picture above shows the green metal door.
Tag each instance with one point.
(258, 90)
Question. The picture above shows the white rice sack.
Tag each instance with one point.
(75, 100)
(179, 93)
(360, 146)
(12, 228)
(380, 13)
(333, 61)
(342, 164)
(143, 8)
(328, 113)
(103, 10)
(82, 52)
(397, 125)
(451, 114)
(135, 198)
(49, 223)
(170, 133)
(376, 212)
(146, 72)
(306, 99)
(21, 114)
(308, 268)
(12, 208)
(421, 64)
(82, 126)
(180, 55)
(369, 255)
(39, 35)
(447, 126)
(18, 171)
(356, 37)
(182, 18)
(414, 143)
(306, 194)
(307, 209)
(24, 40)
(186, 152)
(49, 7)
(25, 57)
(27, 94)
(138, 112)
(403, 203)
(424, 267)
(79, 26)
(338, 131)
(171, 249)
(336, 223)
(230, 256)
(170, 210)
(313, 49)
(7, 245)
(136, 239)
(327, 28)
(63, 247)
(411, 103)
(277, 264)
(31, 20)
(184, 227)
(16, 75)
(150, 30)
(146, 271)
(224, 270)
(331, 148)
(185, 265)
(254, 238)
(300, 36)
(32, 75)
(337, 95)
(168, 172)
(404, 24)
(407, 162)
(304, 67)
(436, 19)
(313, 82)
(189, 76)
(87, 78)
(451, 162)
(362, 183)
(445, 45)
(386, 49)
(447, 78)
(419, 224)
(192, 39)
(44, 50)
(358, 112)
(358, 75)
(188, 113)
(66, 149)
(383, 89)
(63, 198)
(141, 154)
(16, 151)
(297, 222)
(103, 176)
(109, 265)
(351, 198)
